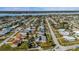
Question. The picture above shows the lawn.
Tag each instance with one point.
(64, 42)
(22, 47)
(49, 43)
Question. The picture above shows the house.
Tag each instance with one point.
(41, 39)
(63, 32)
(76, 33)
(41, 28)
(69, 38)
(5, 30)
(17, 40)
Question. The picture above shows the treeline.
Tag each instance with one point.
(38, 12)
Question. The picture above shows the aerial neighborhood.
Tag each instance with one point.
(54, 32)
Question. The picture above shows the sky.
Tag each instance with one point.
(38, 8)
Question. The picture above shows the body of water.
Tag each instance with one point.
(11, 14)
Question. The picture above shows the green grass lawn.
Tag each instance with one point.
(8, 34)
(49, 43)
(64, 42)
(1, 41)
(23, 47)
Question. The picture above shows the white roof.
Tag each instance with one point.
(64, 33)
(61, 30)
(42, 27)
(4, 31)
(37, 40)
(76, 32)
(27, 30)
(43, 39)
(23, 33)
(40, 33)
(69, 38)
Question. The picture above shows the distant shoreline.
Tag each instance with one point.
(27, 13)
(20, 12)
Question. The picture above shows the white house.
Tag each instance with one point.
(69, 38)
(63, 32)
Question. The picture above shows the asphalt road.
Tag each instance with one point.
(58, 47)
(13, 34)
